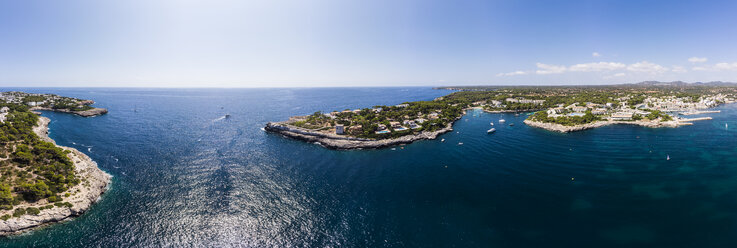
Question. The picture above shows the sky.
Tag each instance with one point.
(304, 43)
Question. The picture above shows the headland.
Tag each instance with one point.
(41, 182)
(556, 108)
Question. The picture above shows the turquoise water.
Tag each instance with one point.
(186, 176)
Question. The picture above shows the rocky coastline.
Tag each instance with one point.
(566, 129)
(94, 183)
(510, 111)
(340, 142)
(85, 113)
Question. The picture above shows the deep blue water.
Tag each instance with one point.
(183, 176)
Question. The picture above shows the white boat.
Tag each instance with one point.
(442, 140)
(511, 124)
(726, 126)
(667, 157)
(501, 120)
(491, 123)
(460, 143)
(491, 130)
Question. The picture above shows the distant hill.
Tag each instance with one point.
(644, 84)
(682, 84)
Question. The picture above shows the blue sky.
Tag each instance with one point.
(217, 43)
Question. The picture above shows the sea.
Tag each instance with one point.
(186, 176)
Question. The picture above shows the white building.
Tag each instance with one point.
(339, 129)
(622, 116)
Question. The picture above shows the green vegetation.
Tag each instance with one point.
(32, 169)
(542, 116)
(436, 115)
(655, 114)
(589, 103)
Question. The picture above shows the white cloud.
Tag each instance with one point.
(726, 66)
(621, 74)
(648, 67)
(697, 60)
(614, 69)
(549, 69)
(600, 66)
(514, 73)
(679, 69)
(595, 55)
(717, 67)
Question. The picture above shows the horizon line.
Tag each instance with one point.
(359, 86)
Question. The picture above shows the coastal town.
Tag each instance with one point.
(52, 102)
(561, 109)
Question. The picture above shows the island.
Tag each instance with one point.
(554, 108)
(40, 181)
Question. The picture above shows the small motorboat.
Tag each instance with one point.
(517, 114)
(491, 123)
(501, 120)
(667, 157)
(491, 130)
(460, 143)
(511, 124)
(442, 140)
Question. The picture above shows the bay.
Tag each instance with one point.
(186, 176)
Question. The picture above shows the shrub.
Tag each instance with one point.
(5, 217)
(33, 211)
(19, 212)
(34, 192)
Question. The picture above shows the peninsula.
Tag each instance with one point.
(556, 108)
(41, 182)
(51, 102)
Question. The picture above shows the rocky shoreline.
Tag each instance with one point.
(566, 129)
(94, 183)
(339, 142)
(510, 111)
(86, 113)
